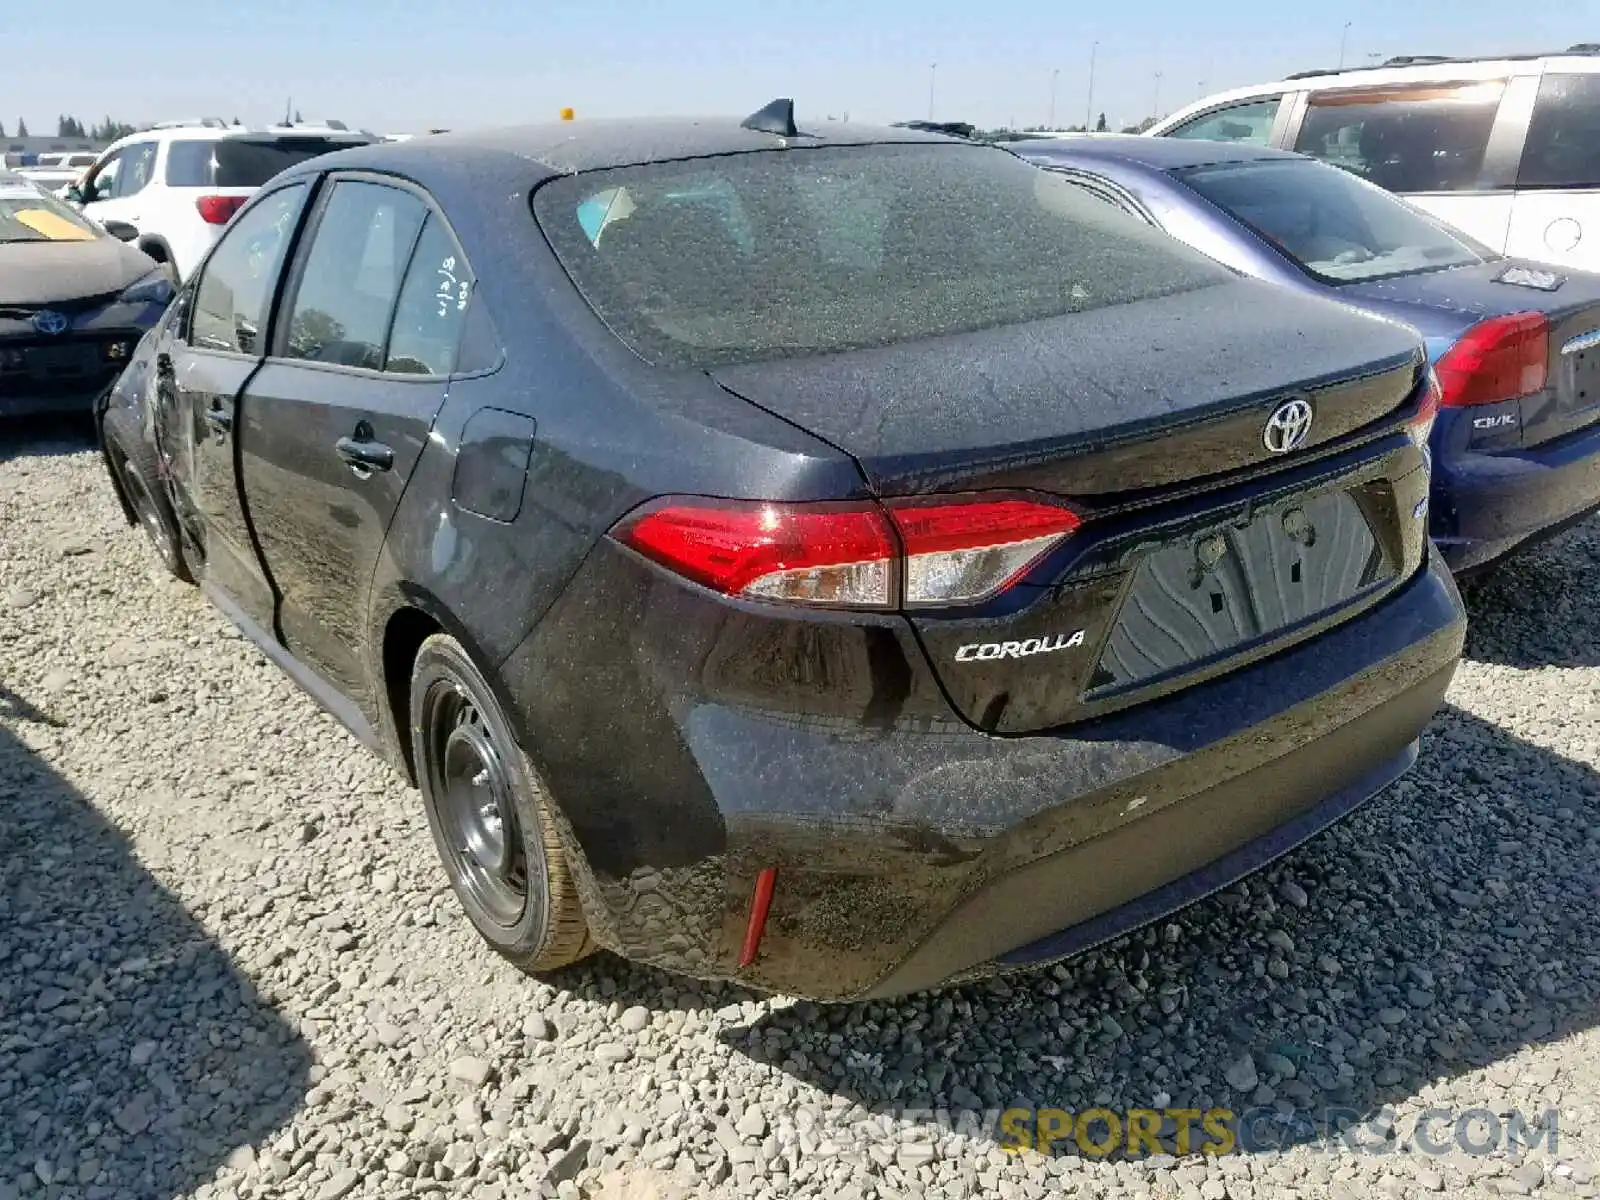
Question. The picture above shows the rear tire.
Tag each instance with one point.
(490, 817)
(134, 465)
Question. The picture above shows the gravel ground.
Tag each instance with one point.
(229, 966)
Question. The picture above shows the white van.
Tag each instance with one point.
(1505, 149)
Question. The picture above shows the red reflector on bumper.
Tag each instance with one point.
(760, 902)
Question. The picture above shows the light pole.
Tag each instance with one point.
(933, 69)
(1343, 38)
(1156, 110)
(1088, 116)
(1055, 77)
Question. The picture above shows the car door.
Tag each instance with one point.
(1430, 142)
(339, 415)
(1555, 214)
(119, 197)
(201, 371)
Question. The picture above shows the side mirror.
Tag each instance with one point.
(121, 230)
(74, 194)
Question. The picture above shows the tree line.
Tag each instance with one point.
(108, 130)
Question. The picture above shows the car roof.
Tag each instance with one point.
(1393, 72)
(1162, 154)
(567, 147)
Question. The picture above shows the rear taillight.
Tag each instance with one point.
(1421, 425)
(923, 553)
(963, 551)
(822, 554)
(219, 210)
(1498, 359)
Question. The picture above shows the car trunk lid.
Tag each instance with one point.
(1201, 545)
(1142, 395)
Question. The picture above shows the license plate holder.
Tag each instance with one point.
(1220, 590)
(71, 361)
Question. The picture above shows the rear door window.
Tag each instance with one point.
(1429, 138)
(1563, 145)
(190, 163)
(1249, 124)
(433, 306)
(351, 277)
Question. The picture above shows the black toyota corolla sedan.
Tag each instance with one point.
(842, 561)
(74, 300)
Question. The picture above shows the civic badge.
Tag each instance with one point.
(1288, 426)
(48, 322)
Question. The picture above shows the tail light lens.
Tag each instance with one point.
(219, 210)
(1421, 425)
(925, 553)
(961, 552)
(1498, 359)
(822, 554)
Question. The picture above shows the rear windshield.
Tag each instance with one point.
(803, 251)
(241, 162)
(1333, 225)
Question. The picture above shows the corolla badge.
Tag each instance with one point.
(1027, 648)
(1288, 426)
(46, 321)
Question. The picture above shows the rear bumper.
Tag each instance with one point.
(1485, 505)
(910, 851)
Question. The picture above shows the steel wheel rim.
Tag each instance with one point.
(476, 810)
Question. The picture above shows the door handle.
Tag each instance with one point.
(365, 456)
(220, 420)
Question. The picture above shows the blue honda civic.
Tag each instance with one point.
(1515, 345)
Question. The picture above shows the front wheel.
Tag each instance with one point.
(489, 816)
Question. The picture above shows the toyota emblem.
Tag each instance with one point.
(49, 322)
(1288, 426)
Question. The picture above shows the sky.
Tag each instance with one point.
(407, 66)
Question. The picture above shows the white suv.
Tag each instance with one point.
(1505, 149)
(179, 183)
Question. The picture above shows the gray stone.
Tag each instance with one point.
(341, 1185)
(1241, 1074)
(753, 1124)
(134, 1117)
(472, 1071)
(567, 1166)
